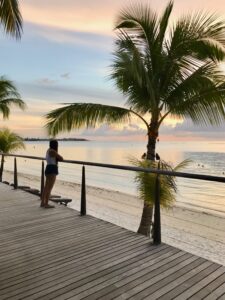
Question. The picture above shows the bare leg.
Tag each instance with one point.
(49, 183)
(52, 179)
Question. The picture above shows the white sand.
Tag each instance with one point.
(198, 232)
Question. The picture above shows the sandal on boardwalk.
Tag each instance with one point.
(49, 206)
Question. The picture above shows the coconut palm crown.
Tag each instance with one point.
(8, 97)
(9, 142)
(10, 17)
(162, 70)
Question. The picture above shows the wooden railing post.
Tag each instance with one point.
(1, 169)
(157, 217)
(15, 174)
(83, 194)
(42, 178)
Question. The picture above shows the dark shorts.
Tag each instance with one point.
(51, 170)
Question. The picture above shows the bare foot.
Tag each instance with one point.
(49, 206)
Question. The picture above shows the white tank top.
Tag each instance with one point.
(50, 159)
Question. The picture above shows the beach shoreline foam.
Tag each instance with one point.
(195, 231)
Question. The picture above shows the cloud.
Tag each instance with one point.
(54, 34)
(89, 15)
(46, 81)
(67, 94)
(98, 15)
(31, 121)
(124, 130)
(65, 75)
(190, 130)
(49, 82)
(186, 130)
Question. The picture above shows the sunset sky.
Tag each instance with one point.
(64, 56)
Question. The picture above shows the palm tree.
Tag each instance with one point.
(8, 97)
(11, 18)
(9, 142)
(162, 71)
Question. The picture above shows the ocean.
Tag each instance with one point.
(207, 158)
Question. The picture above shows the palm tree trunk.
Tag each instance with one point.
(1, 170)
(146, 219)
(152, 138)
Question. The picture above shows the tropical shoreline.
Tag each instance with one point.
(58, 139)
(192, 230)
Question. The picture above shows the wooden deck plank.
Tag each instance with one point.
(97, 279)
(94, 267)
(202, 292)
(80, 277)
(132, 280)
(9, 274)
(57, 254)
(218, 293)
(59, 234)
(103, 285)
(62, 245)
(212, 286)
(201, 284)
(175, 277)
(96, 258)
(82, 272)
(25, 263)
(152, 278)
(169, 291)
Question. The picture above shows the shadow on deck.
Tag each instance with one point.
(56, 254)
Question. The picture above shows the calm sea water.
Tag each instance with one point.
(207, 158)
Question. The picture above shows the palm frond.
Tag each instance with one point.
(9, 96)
(200, 35)
(137, 20)
(147, 33)
(131, 75)
(14, 101)
(10, 141)
(195, 40)
(182, 165)
(199, 95)
(88, 115)
(7, 86)
(10, 17)
(164, 24)
(4, 109)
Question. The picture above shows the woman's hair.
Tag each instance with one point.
(53, 144)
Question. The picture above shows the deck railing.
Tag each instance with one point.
(158, 172)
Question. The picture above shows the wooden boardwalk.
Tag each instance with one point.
(56, 254)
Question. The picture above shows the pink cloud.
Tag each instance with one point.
(98, 15)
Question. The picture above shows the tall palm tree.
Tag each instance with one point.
(9, 142)
(8, 97)
(162, 71)
(10, 17)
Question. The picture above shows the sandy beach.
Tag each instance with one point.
(198, 232)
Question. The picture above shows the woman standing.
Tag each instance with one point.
(51, 171)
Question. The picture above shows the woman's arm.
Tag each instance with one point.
(53, 153)
(59, 157)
